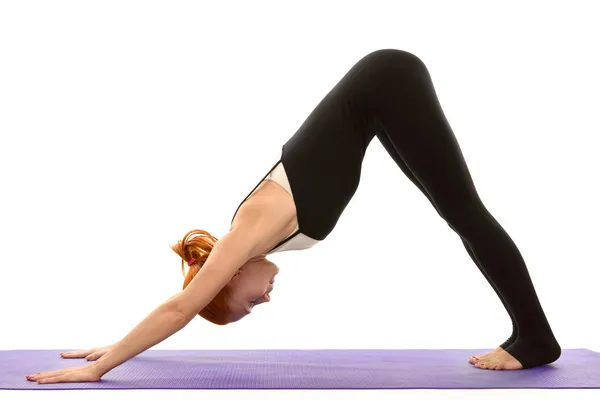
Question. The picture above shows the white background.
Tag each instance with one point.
(125, 124)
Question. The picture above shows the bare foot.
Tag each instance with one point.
(498, 360)
(474, 359)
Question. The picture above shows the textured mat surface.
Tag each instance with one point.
(304, 369)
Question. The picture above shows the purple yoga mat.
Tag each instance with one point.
(304, 369)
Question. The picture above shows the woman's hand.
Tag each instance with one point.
(86, 373)
(90, 355)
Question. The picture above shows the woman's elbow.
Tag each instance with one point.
(177, 307)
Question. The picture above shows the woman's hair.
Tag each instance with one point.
(198, 244)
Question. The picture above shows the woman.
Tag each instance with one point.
(388, 94)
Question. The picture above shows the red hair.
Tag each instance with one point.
(198, 244)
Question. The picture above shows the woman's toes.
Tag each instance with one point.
(482, 365)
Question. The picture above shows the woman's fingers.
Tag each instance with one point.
(94, 356)
(44, 375)
(75, 354)
(99, 352)
(86, 353)
(76, 374)
(66, 377)
(52, 380)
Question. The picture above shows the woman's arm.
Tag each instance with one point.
(228, 255)
(156, 327)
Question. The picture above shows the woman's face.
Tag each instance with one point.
(251, 286)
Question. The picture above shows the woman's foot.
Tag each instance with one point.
(497, 359)
(474, 359)
(513, 338)
(530, 353)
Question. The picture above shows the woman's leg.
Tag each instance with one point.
(400, 162)
(404, 101)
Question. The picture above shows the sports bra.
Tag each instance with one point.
(296, 240)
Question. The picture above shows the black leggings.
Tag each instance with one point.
(393, 97)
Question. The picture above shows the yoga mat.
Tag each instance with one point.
(304, 369)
